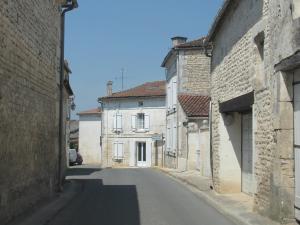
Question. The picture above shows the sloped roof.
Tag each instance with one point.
(192, 44)
(194, 105)
(218, 19)
(195, 44)
(149, 89)
(90, 112)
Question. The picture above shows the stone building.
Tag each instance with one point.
(131, 119)
(255, 91)
(29, 94)
(90, 136)
(187, 74)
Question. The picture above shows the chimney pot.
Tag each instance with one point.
(178, 40)
(109, 88)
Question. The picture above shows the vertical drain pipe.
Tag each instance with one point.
(68, 6)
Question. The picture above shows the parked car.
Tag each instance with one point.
(74, 157)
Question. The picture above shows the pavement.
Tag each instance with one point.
(97, 196)
(128, 197)
(238, 207)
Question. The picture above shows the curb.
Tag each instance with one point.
(46, 213)
(237, 219)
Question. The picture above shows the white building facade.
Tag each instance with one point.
(131, 119)
(90, 138)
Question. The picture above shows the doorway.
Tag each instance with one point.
(141, 154)
(247, 154)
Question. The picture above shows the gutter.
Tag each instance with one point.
(68, 6)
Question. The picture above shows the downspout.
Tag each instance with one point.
(187, 146)
(70, 5)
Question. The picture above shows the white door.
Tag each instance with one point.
(297, 148)
(141, 154)
(247, 154)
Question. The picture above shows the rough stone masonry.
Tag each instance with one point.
(29, 76)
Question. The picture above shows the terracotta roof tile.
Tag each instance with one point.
(194, 105)
(149, 89)
(90, 111)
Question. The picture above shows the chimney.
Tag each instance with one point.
(178, 40)
(109, 88)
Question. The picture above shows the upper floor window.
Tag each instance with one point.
(140, 122)
(172, 93)
(117, 120)
(141, 103)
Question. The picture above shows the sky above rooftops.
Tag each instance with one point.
(102, 37)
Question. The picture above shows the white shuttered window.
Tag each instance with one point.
(117, 120)
(118, 151)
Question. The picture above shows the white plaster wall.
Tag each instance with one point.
(154, 107)
(89, 138)
(230, 155)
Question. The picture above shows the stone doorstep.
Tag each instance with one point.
(237, 207)
(44, 213)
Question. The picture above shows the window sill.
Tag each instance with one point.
(141, 131)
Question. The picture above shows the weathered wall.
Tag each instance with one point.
(194, 72)
(154, 107)
(29, 71)
(89, 138)
(238, 67)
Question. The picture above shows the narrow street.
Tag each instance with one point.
(134, 197)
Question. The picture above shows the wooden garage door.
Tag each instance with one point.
(247, 154)
(297, 147)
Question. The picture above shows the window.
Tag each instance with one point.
(141, 103)
(140, 122)
(172, 93)
(117, 127)
(118, 151)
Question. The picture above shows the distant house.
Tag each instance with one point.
(90, 123)
(130, 120)
(74, 134)
(187, 136)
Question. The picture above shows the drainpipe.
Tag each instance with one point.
(66, 7)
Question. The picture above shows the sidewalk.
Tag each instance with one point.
(45, 212)
(238, 207)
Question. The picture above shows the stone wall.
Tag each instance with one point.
(194, 73)
(239, 67)
(29, 72)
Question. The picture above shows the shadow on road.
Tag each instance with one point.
(82, 170)
(99, 203)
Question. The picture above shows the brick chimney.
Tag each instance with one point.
(178, 40)
(109, 88)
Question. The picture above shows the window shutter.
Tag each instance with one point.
(168, 136)
(147, 122)
(169, 97)
(120, 151)
(174, 92)
(114, 122)
(115, 150)
(133, 122)
(119, 122)
(174, 138)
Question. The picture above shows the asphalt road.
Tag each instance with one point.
(134, 197)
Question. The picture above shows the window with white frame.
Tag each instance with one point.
(140, 122)
(172, 93)
(118, 151)
(117, 120)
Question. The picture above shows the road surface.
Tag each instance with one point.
(134, 197)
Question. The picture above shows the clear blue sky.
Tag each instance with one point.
(103, 36)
